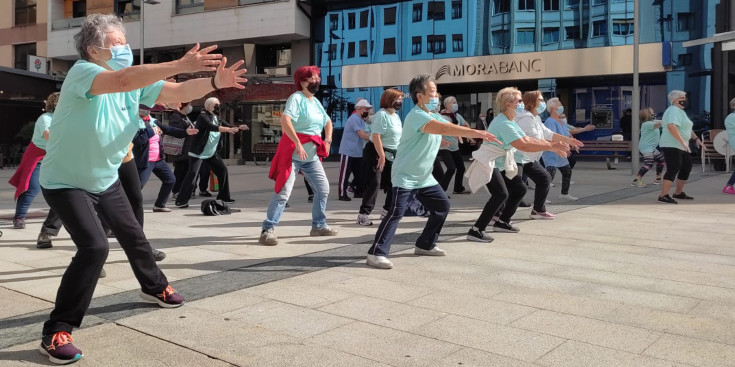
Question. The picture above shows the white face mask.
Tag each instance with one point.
(188, 110)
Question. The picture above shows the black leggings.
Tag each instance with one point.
(678, 164)
(502, 191)
(542, 179)
(566, 177)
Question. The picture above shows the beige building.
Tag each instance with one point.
(23, 31)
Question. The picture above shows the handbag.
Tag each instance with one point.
(172, 145)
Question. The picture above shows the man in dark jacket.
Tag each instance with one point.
(204, 148)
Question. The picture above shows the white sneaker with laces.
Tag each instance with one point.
(364, 220)
(568, 197)
(433, 252)
(380, 262)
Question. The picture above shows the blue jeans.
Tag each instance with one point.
(314, 174)
(434, 200)
(26, 198)
(161, 169)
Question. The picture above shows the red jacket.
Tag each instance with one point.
(22, 177)
(281, 164)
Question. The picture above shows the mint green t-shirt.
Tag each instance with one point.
(42, 124)
(507, 131)
(210, 148)
(649, 137)
(308, 117)
(453, 143)
(89, 135)
(388, 126)
(416, 152)
(730, 128)
(677, 116)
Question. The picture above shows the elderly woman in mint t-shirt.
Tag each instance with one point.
(675, 145)
(95, 120)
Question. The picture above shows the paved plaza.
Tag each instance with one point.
(615, 280)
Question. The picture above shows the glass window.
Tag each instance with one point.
(189, 6)
(79, 9)
(333, 22)
(685, 21)
(21, 55)
(551, 35)
(363, 49)
(389, 16)
(127, 9)
(389, 46)
(436, 10)
(25, 12)
(417, 12)
(332, 52)
(623, 27)
(572, 33)
(599, 28)
(351, 50)
(364, 18)
(501, 6)
(351, 20)
(440, 44)
(526, 4)
(684, 60)
(416, 45)
(571, 3)
(457, 44)
(501, 39)
(525, 36)
(456, 9)
(551, 5)
(599, 2)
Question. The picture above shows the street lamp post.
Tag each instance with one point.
(636, 107)
(142, 26)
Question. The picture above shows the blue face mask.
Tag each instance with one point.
(433, 103)
(122, 57)
(560, 110)
(541, 107)
(521, 107)
(455, 108)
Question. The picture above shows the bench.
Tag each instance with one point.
(264, 150)
(610, 148)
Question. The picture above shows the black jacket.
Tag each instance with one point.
(141, 143)
(205, 123)
(181, 121)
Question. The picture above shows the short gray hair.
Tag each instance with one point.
(552, 104)
(210, 102)
(93, 32)
(448, 100)
(732, 104)
(418, 85)
(674, 94)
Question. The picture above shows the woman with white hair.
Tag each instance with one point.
(553, 161)
(451, 156)
(204, 149)
(95, 120)
(730, 128)
(675, 145)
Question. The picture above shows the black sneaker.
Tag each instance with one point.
(109, 234)
(667, 199)
(524, 204)
(345, 198)
(683, 196)
(310, 199)
(44, 240)
(158, 255)
(205, 194)
(182, 205)
(228, 201)
(169, 298)
(501, 226)
(59, 348)
(478, 236)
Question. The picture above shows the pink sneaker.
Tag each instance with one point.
(541, 215)
(729, 190)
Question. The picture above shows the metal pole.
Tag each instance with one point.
(142, 31)
(636, 125)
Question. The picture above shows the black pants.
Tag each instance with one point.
(542, 179)
(79, 212)
(375, 181)
(181, 168)
(349, 166)
(52, 224)
(566, 177)
(444, 176)
(678, 164)
(502, 191)
(130, 182)
(219, 169)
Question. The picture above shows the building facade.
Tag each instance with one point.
(578, 50)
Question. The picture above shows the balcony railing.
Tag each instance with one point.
(66, 23)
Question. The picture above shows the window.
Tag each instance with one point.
(436, 44)
(79, 9)
(457, 44)
(501, 6)
(389, 46)
(436, 10)
(685, 21)
(21, 55)
(351, 50)
(599, 2)
(456, 9)
(599, 28)
(333, 22)
(364, 18)
(332, 52)
(501, 39)
(127, 9)
(551, 5)
(623, 27)
(525, 36)
(25, 13)
(684, 60)
(415, 45)
(418, 10)
(526, 4)
(551, 35)
(572, 33)
(571, 3)
(189, 6)
(351, 20)
(363, 49)
(389, 16)
(330, 81)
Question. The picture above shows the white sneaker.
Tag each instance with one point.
(433, 252)
(383, 214)
(548, 201)
(268, 237)
(568, 197)
(380, 262)
(364, 220)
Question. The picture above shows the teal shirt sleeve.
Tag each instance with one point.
(293, 107)
(421, 121)
(149, 94)
(671, 117)
(507, 133)
(80, 78)
(380, 123)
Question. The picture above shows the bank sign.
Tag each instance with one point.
(516, 69)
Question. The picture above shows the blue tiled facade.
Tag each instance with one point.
(423, 29)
